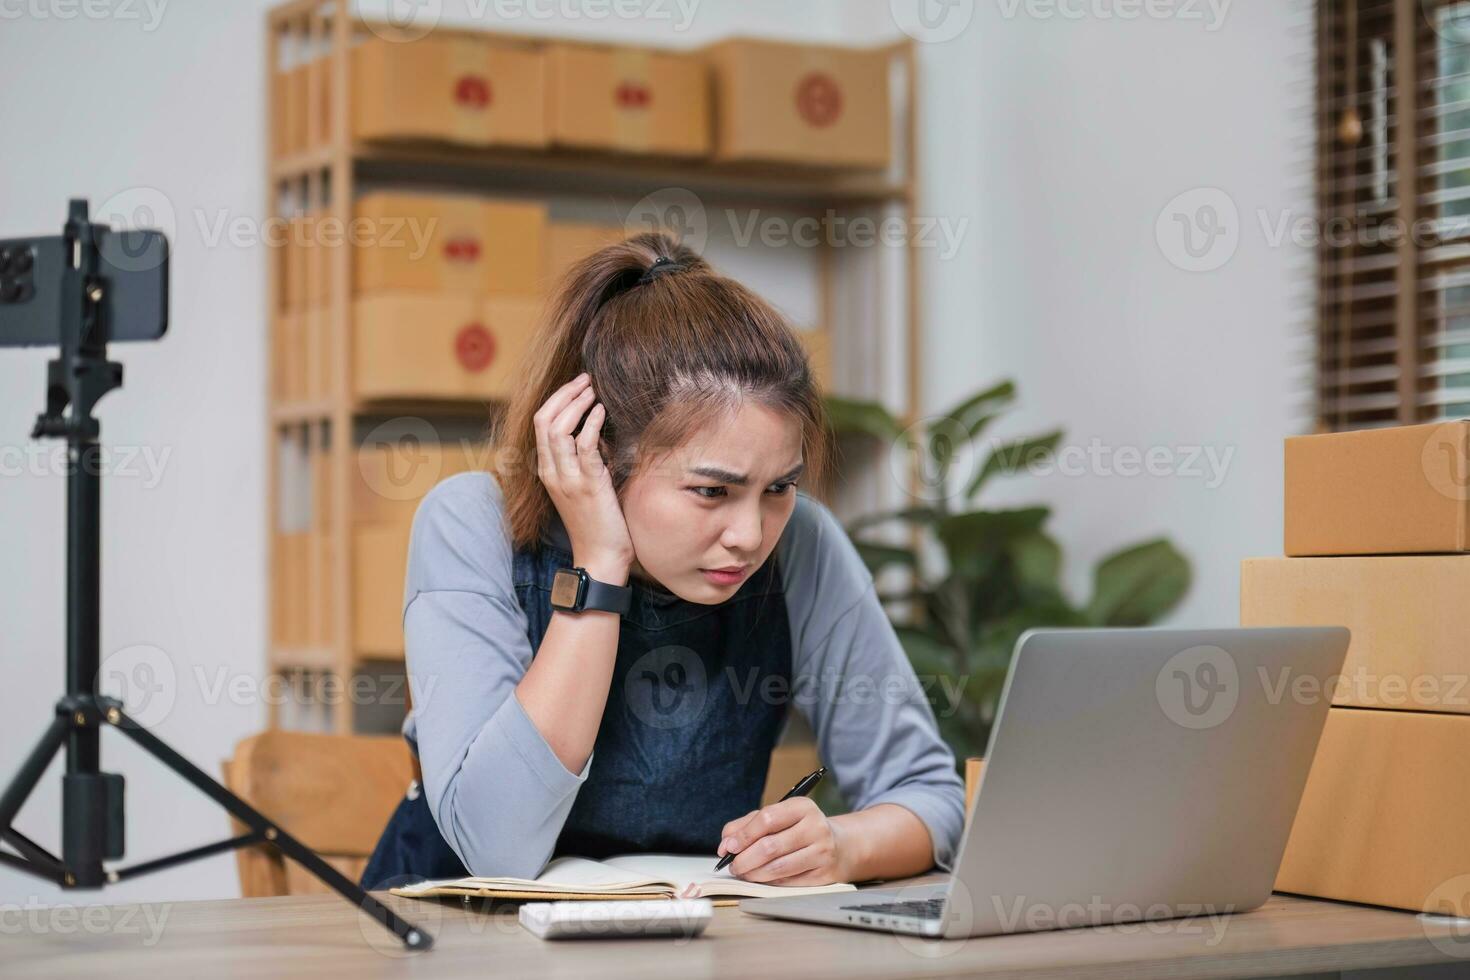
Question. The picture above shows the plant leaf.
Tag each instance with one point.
(877, 556)
(976, 411)
(1138, 585)
(849, 416)
(914, 515)
(1038, 562)
(973, 540)
(1013, 456)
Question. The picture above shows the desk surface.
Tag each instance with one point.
(320, 935)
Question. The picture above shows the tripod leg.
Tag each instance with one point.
(411, 936)
(31, 770)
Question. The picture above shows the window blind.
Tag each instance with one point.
(1393, 197)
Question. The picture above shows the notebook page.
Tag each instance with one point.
(694, 876)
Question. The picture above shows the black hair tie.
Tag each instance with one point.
(661, 265)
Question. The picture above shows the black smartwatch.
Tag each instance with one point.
(573, 590)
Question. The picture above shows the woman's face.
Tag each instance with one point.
(718, 501)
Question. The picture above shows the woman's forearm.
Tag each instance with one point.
(564, 690)
(883, 841)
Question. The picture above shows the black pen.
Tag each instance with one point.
(802, 788)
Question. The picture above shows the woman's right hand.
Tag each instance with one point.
(577, 479)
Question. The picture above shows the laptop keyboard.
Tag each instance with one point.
(923, 908)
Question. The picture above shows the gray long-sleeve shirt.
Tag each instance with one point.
(497, 790)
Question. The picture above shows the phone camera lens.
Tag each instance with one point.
(22, 261)
(9, 291)
(4, 261)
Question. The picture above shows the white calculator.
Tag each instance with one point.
(685, 917)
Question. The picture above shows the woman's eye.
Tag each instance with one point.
(708, 493)
(780, 489)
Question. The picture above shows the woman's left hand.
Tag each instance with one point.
(787, 843)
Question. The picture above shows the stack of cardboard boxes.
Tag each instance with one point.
(1378, 540)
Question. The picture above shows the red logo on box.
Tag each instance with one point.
(474, 347)
(462, 250)
(632, 95)
(818, 99)
(472, 91)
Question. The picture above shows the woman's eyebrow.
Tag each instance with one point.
(722, 475)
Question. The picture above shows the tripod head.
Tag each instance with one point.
(78, 290)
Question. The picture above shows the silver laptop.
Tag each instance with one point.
(1132, 774)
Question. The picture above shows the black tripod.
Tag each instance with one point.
(92, 801)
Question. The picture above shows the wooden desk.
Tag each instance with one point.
(319, 935)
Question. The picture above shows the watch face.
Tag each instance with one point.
(564, 587)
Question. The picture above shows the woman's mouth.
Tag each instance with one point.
(728, 575)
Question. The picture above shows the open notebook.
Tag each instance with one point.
(625, 876)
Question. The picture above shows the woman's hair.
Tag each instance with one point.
(670, 345)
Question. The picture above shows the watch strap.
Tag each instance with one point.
(605, 597)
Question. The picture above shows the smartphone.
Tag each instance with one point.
(133, 266)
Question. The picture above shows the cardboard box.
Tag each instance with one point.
(440, 242)
(379, 560)
(1382, 819)
(392, 477)
(779, 102)
(483, 91)
(569, 241)
(440, 345)
(1379, 491)
(1409, 616)
(629, 99)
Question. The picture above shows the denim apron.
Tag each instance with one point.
(696, 705)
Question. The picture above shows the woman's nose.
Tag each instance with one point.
(743, 534)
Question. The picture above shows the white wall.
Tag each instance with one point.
(1061, 141)
(1063, 138)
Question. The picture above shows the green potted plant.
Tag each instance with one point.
(1000, 573)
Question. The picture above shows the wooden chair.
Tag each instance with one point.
(335, 793)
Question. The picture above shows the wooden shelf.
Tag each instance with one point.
(324, 180)
(574, 172)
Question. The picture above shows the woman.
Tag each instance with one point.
(667, 417)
